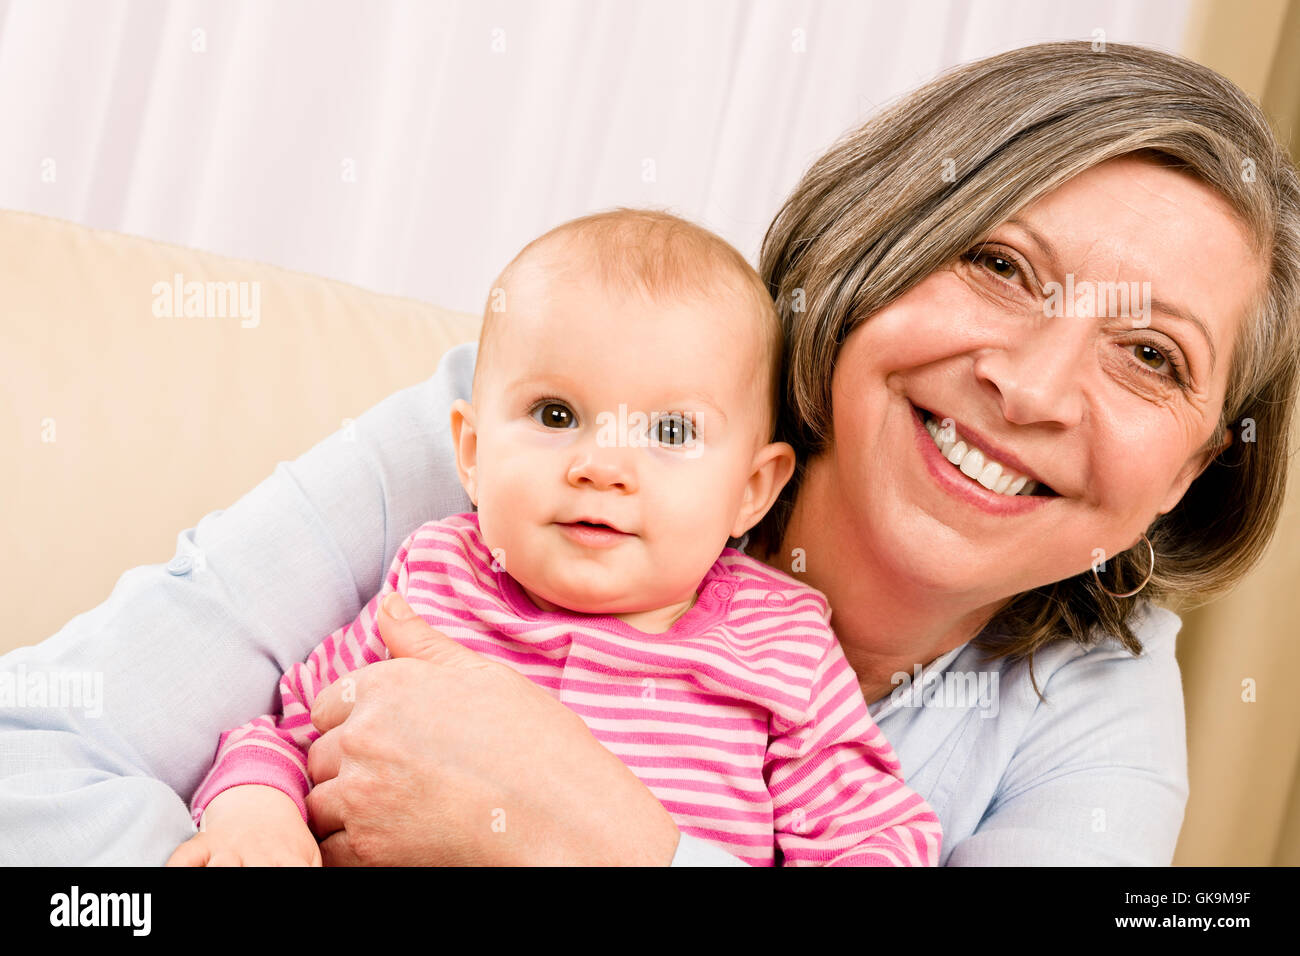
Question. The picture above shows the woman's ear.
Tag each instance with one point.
(772, 468)
(1191, 471)
(464, 437)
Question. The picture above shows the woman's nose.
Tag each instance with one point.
(1037, 376)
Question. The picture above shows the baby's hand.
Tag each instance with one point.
(250, 825)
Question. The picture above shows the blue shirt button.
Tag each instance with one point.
(181, 564)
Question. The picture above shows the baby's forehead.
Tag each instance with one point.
(707, 328)
(545, 296)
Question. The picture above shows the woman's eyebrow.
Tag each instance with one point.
(1157, 305)
(1040, 240)
(1186, 315)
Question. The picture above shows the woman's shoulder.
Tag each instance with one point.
(1104, 694)
(1156, 629)
(1095, 768)
(1100, 699)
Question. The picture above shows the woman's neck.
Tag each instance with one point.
(886, 625)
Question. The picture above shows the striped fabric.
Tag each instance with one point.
(744, 718)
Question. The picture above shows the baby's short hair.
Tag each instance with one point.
(661, 256)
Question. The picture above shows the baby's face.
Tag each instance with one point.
(645, 417)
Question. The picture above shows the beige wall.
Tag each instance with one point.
(1244, 756)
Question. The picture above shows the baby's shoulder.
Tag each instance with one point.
(782, 627)
(761, 584)
(454, 540)
(771, 602)
(452, 529)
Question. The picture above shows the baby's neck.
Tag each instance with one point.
(659, 620)
(655, 621)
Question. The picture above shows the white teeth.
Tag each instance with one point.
(990, 476)
(973, 463)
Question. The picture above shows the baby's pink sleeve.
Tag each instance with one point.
(837, 787)
(272, 750)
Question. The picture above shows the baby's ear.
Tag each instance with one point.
(464, 437)
(773, 466)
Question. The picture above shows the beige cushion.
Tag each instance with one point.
(124, 427)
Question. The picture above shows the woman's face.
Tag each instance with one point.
(1108, 410)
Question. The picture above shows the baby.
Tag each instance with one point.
(623, 404)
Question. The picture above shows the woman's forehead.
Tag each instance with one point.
(1133, 204)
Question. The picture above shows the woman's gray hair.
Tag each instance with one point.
(927, 179)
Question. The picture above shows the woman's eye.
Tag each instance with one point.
(1000, 266)
(554, 415)
(673, 429)
(1146, 353)
(1152, 358)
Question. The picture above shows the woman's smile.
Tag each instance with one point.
(965, 488)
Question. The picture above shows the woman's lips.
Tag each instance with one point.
(593, 536)
(959, 486)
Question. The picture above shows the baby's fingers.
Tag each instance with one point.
(193, 852)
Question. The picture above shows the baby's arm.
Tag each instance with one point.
(251, 806)
(250, 825)
(837, 789)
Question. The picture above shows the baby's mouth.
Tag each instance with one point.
(594, 524)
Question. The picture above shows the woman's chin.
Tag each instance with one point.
(934, 559)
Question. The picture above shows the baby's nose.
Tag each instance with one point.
(604, 471)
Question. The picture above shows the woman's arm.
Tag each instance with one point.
(186, 653)
(1099, 777)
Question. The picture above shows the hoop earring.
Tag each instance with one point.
(1144, 581)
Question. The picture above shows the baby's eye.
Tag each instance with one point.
(673, 429)
(553, 414)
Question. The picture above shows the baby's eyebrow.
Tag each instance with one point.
(698, 398)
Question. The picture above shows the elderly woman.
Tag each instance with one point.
(1043, 339)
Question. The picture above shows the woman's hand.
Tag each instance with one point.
(442, 757)
(250, 825)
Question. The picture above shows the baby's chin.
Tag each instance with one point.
(587, 603)
(579, 599)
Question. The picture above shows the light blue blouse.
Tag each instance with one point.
(1095, 774)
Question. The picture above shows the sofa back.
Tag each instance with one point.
(145, 385)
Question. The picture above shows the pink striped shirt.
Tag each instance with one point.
(744, 718)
